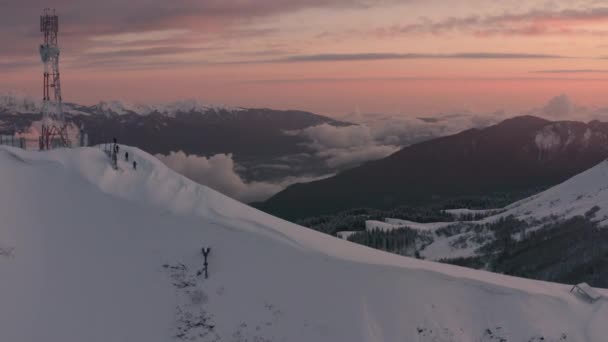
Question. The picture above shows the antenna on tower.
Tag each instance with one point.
(54, 128)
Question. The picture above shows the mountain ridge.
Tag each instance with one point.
(517, 154)
(189, 126)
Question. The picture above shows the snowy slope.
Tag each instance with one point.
(576, 196)
(585, 194)
(92, 254)
(391, 224)
(458, 213)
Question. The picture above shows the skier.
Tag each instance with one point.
(126, 156)
(134, 165)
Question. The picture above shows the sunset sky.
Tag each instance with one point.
(409, 57)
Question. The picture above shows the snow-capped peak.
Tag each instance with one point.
(122, 108)
(18, 103)
(192, 105)
(169, 109)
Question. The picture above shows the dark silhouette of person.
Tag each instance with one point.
(206, 252)
(126, 156)
(134, 165)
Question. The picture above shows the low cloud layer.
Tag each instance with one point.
(377, 136)
(219, 173)
(343, 147)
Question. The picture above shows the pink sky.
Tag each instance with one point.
(411, 57)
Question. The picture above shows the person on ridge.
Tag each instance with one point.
(126, 156)
(134, 165)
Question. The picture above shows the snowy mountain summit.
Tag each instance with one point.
(170, 109)
(89, 253)
(15, 103)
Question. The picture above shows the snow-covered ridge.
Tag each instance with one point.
(95, 254)
(391, 224)
(18, 103)
(170, 109)
(578, 195)
(22, 104)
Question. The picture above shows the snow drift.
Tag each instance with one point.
(88, 253)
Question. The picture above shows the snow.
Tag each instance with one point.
(547, 139)
(463, 212)
(18, 103)
(587, 136)
(442, 248)
(392, 224)
(344, 235)
(585, 194)
(169, 109)
(418, 225)
(122, 108)
(576, 196)
(84, 248)
(371, 225)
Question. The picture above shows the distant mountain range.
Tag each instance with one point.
(516, 155)
(189, 126)
(254, 136)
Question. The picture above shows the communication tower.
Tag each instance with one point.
(54, 128)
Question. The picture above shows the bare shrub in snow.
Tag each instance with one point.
(6, 252)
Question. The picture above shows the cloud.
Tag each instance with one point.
(561, 107)
(151, 14)
(183, 29)
(145, 52)
(570, 71)
(17, 64)
(385, 56)
(536, 22)
(373, 137)
(395, 56)
(558, 107)
(326, 136)
(347, 146)
(376, 136)
(344, 157)
(218, 172)
(160, 25)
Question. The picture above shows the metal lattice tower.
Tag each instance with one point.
(54, 128)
